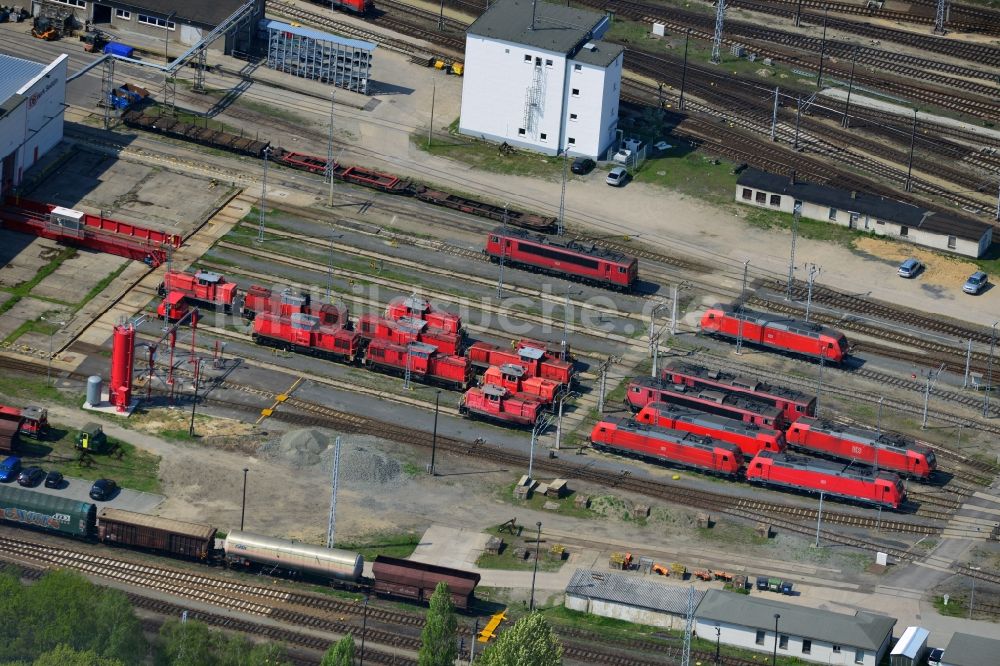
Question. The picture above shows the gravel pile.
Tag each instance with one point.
(302, 448)
(361, 463)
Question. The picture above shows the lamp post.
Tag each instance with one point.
(774, 656)
(166, 34)
(718, 640)
(48, 368)
(434, 437)
(534, 572)
(364, 630)
(989, 371)
(972, 598)
(562, 399)
(243, 510)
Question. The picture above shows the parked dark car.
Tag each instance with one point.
(103, 490)
(582, 165)
(31, 476)
(9, 469)
(54, 479)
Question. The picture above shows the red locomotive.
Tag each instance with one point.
(647, 442)
(201, 288)
(814, 476)
(407, 329)
(496, 403)
(425, 363)
(793, 403)
(644, 390)
(550, 353)
(304, 334)
(351, 6)
(566, 259)
(749, 437)
(863, 445)
(173, 307)
(536, 361)
(287, 302)
(413, 307)
(776, 332)
(512, 377)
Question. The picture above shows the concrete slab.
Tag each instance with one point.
(22, 256)
(27, 309)
(455, 547)
(130, 500)
(77, 276)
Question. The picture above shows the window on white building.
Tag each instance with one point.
(833, 213)
(572, 116)
(548, 63)
(123, 14)
(576, 92)
(73, 3)
(520, 131)
(859, 656)
(747, 194)
(506, 50)
(158, 22)
(577, 68)
(543, 136)
(775, 199)
(783, 642)
(952, 242)
(836, 649)
(904, 231)
(760, 637)
(762, 198)
(527, 57)
(807, 646)
(571, 141)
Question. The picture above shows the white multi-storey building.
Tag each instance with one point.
(32, 100)
(538, 76)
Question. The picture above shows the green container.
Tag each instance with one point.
(47, 512)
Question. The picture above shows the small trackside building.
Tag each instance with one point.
(809, 634)
(629, 598)
(32, 102)
(538, 76)
(879, 215)
(969, 650)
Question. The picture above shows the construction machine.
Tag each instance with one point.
(94, 40)
(45, 28)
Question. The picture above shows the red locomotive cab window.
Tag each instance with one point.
(759, 466)
(725, 458)
(636, 389)
(711, 315)
(494, 239)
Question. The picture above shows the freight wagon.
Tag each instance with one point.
(303, 333)
(173, 537)
(47, 512)
(423, 361)
(536, 361)
(247, 550)
(496, 403)
(865, 445)
(721, 402)
(833, 479)
(776, 332)
(566, 259)
(664, 445)
(417, 580)
(793, 403)
(749, 437)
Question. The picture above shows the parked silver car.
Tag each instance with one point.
(617, 176)
(976, 283)
(909, 268)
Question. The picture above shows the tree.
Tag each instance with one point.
(187, 644)
(64, 655)
(340, 653)
(439, 647)
(530, 641)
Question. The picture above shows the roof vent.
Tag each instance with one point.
(590, 46)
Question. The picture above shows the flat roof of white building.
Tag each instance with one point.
(15, 73)
(556, 27)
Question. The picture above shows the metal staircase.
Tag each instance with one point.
(533, 99)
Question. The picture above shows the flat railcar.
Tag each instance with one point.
(416, 581)
(540, 223)
(173, 537)
(665, 445)
(776, 332)
(425, 363)
(832, 479)
(721, 402)
(536, 361)
(304, 334)
(864, 445)
(495, 403)
(567, 259)
(749, 437)
(414, 307)
(793, 403)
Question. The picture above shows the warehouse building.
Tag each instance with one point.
(969, 650)
(865, 212)
(32, 102)
(629, 598)
(809, 634)
(183, 22)
(538, 76)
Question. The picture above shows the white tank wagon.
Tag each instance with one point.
(244, 548)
